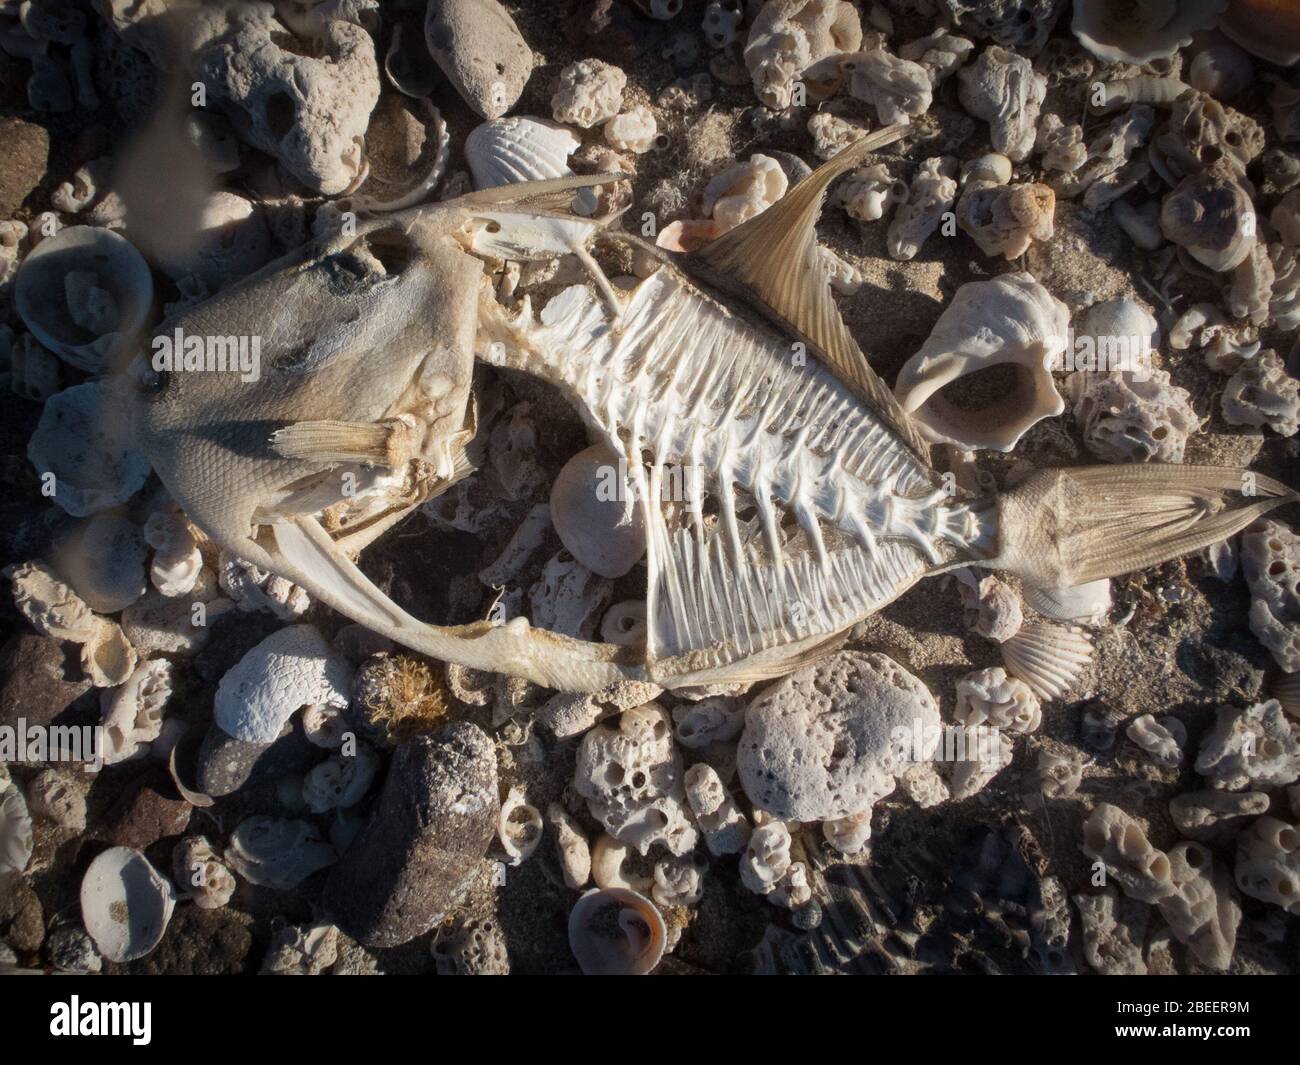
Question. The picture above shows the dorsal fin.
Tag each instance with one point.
(775, 256)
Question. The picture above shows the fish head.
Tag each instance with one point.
(369, 328)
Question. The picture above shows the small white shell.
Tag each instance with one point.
(644, 935)
(133, 713)
(125, 904)
(625, 623)
(519, 827)
(278, 854)
(572, 846)
(15, 827)
(595, 513)
(104, 562)
(85, 293)
(1049, 658)
(341, 781)
(200, 873)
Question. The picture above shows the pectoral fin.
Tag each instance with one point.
(775, 256)
(389, 443)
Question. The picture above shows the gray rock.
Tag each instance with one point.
(43, 685)
(227, 764)
(429, 829)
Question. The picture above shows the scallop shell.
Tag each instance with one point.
(644, 934)
(1049, 658)
(44, 300)
(1287, 692)
(125, 904)
(1083, 602)
(519, 148)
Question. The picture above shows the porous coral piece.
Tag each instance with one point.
(898, 89)
(631, 777)
(1126, 419)
(253, 589)
(1113, 164)
(868, 192)
(569, 598)
(1162, 740)
(678, 881)
(985, 757)
(725, 828)
(1268, 863)
(930, 195)
(1215, 816)
(1112, 837)
(1002, 88)
(824, 742)
(571, 845)
(832, 133)
(635, 130)
(133, 713)
(940, 52)
(290, 669)
(1020, 24)
(1250, 747)
(1202, 134)
(766, 867)
(1114, 930)
(52, 795)
(177, 561)
(1262, 393)
(301, 950)
(309, 111)
(1005, 220)
(789, 36)
(202, 875)
(471, 947)
(590, 91)
(717, 719)
(1271, 560)
(744, 190)
(990, 697)
(1061, 146)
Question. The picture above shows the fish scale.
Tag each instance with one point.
(679, 381)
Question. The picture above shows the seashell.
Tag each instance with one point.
(571, 845)
(400, 171)
(1002, 88)
(766, 867)
(133, 712)
(1270, 557)
(125, 904)
(83, 442)
(519, 148)
(989, 697)
(1269, 29)
(1049, 658)
(625, 623)
(15, 827)
(596, 514)
(301, 950)
(723, 826)
(177, 561)
(1083, 603)
(408, 64)
(599, 952)
(940, 52)
(589, 93)
(478, 46)
(744, 190)
(678, 881)
(341, 781)
(85, 294)
(868, 192)
(722, 22)
(1223, 70)
(1286, 690)
(104, 562)
(1010, 321)
(519, 827)
(277, 853)
(1163, 740)
(1212, 217)
(1125, 31)
(290, 669)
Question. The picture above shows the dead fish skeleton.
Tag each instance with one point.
(820, 505)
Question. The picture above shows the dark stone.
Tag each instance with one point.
(419, 851)
(22, 919)
(201, 943)
(149, 810)
(27, 155)
(226, 764)
(43, 685)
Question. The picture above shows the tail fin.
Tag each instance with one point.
(1069, 526)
